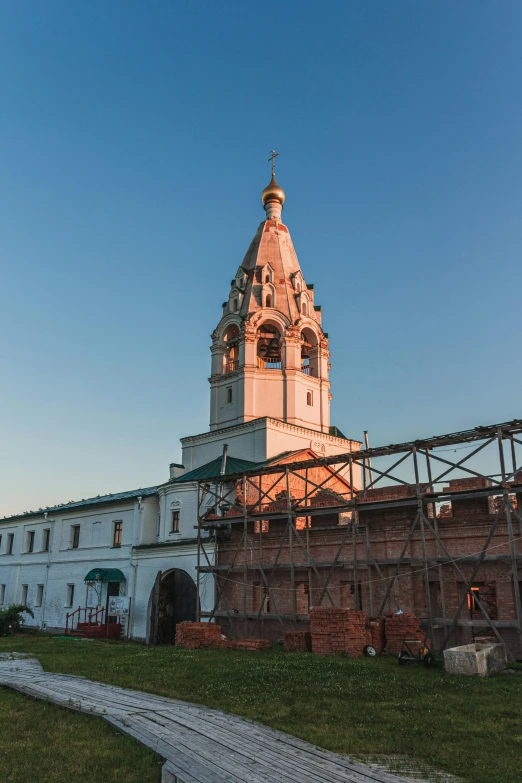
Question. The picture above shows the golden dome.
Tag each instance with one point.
(273, 192)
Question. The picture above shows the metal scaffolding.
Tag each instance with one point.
(290, 492)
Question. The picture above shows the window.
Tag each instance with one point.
(46, 538)
(261, 526)
(303, 308)
(309, 398)
(174, 521)
(116, 533)
(75, 536)
(70, 595)
(10, 543)
(24, 594)
(229, 394)
(268, 300)
(39, 595)
(235, 306)
(30, 541)
(0, 542)
(2, 594)
(472, 604)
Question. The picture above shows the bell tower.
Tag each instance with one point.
(270, 355)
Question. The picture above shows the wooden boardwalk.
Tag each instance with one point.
(200, 745)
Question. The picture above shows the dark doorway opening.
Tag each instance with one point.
(173, 601)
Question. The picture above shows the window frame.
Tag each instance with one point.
(69, 598)
(39, 595)
(310, 398)
(75, 537)
(30, 542)
(10, 543)
(175, 517)
(117, 533)
(25, 593)
(46, 539)
(230, 395)
(2, 595)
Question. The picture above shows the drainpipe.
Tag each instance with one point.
(47, 567)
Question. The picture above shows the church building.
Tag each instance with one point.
(269, 401)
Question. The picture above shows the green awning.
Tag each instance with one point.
(104, 575)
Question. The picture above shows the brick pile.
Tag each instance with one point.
(196, 635)
(298, 641)
(401, 627)
(246, 644)
(338, 631)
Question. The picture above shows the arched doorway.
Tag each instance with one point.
(173, 600)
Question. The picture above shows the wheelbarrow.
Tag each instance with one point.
(415, 651)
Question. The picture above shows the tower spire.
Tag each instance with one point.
(273, 196)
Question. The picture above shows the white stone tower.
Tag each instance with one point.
(269, 353)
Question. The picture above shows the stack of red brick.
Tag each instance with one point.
(194, 636)
(337, 631)
(298, 641)
(246, 644)
(401, 627)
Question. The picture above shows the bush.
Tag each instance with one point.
(11, 619)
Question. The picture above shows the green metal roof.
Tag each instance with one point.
(105, 575)
(234, 465)
(213, 469)
(120, 496)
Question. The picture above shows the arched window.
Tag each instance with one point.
(298, 286)
(309, 398)
(309, 353)
(268, 347)
(235, 306)
(303, 308)
(231, 340)
(229, 394)
(268, 300)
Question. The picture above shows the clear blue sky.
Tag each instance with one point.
(134, 139)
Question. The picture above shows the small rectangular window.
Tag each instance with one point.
(174, 524)
(75, 536)
(39, 595)
(229, 394)
(46, 539)
(30, 541)
(0, 542)
(70, 595)
(10, 543)
(116, 536)
(25, 588)
(2, 594)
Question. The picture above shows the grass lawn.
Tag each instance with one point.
(42, 743)
(465, 726)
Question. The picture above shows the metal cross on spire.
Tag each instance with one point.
(272, 158)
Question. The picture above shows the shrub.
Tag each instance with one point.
(11, 619)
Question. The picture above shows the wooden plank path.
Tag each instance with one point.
(200, 745)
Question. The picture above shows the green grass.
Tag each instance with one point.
(465, 726)
(42, 743)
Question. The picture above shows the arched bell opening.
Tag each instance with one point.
(231, 341)
(309, 353)
(269, 347)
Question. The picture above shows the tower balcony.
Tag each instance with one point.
(269, 364)
(231, 366)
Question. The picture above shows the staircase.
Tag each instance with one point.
(92, 625)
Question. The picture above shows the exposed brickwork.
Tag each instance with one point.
(298, 641)
(463, 531)
(402, 627)
(339, 631)
(195, 636)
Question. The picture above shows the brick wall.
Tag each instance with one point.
(385, 531)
